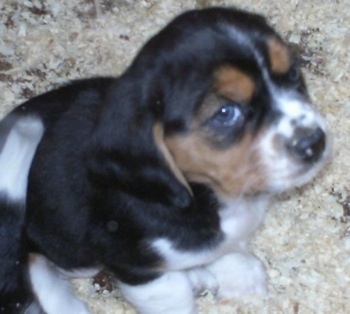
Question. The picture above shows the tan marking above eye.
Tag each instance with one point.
(233, 84)
(279, 56)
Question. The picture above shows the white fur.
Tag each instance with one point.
(201, 280)
(17, 154)
(283, 171)
(296, 112)
(52, 290)
(235, 275)
(228, 270)
(239, 275)
(80, 273)
(169, 294)
(238, 219)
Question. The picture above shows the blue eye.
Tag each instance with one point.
(228, 115)
(294, 73)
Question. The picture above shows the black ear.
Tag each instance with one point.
(128, 153)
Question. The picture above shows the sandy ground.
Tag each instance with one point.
(305, 242)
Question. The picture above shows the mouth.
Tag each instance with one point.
(298, 174)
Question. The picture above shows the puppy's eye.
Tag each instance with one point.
(228, 115)
(294, 73)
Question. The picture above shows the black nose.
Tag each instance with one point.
(307, 144)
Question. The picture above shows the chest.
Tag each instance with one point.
(239, 219)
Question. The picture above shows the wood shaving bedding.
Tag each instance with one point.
(305, 241)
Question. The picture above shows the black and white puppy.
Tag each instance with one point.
(161, 175)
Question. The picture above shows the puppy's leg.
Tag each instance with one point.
(17, 152)
(239, 275)
(53, 291)
(169, 294)
(19, 137)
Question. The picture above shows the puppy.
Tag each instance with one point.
(161, 175)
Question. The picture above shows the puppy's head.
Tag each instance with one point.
(235, 110)
(225, 102)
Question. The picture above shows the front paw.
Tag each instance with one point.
(239, 275)
(202, 280)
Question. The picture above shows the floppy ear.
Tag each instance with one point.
(158, 133)
(128, 153)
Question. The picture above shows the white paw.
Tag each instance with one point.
(202, 279)
(169, 294)
(54, 292)
(239, 275)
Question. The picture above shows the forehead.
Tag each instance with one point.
(237, 82)
(233, 54)
(233, 83)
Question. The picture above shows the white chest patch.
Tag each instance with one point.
(238, 220)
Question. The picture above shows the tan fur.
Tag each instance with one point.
(233, 84)
(279, 56)
(231, 172)
(158, 134)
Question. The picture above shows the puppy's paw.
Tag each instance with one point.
(201, 280)
(171, 293)
(239, 275)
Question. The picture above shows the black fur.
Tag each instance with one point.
(15, 290)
